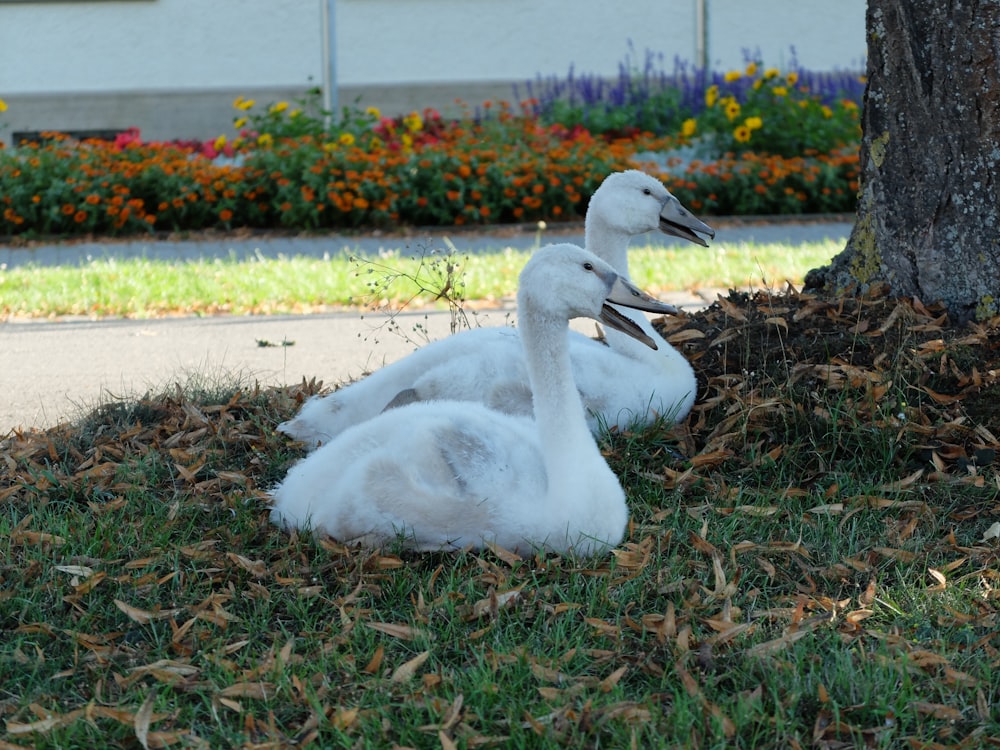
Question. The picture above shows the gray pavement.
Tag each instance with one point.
(51, 371)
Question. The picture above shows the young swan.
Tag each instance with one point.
(450, 474)
(622, 383)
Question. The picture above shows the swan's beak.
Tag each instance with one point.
(614, 319)
(679, 222)
(625, 294)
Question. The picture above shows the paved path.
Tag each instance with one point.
(52, 370)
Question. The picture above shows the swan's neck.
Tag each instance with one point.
(559, 413)
(607, 242)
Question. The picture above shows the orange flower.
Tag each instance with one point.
(464, 171)
(225, 214)
(68, 209)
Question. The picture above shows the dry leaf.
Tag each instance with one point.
(406, 671)
(937, 710)
(375, 662)
(608, 683)
(777, 644)
(398, 630)
(993, 532)
(143, 616)
(143, 718)
(258, 690)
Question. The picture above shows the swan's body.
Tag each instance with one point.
(621, 384)
(452, 474)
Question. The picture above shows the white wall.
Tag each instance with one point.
(158, 44)
(215, 44)
(392, 41)
(826, 34)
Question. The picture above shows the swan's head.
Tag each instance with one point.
(565, 281)
(632, 202)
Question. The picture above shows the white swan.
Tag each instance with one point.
(622, 383)
(452, 474)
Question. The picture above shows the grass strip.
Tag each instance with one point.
(139, 288)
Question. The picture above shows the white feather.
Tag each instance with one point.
(451, 474)
(623, 383)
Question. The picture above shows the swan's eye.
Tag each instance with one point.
(647, 191)
(588, 266)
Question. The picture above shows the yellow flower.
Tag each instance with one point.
(330, 146)
(848, 104)
(3, 106)
(753, 123)
(732, 109)
(752, 69)
(792, 78)
(294, 113)
(688, 127)
(827, 112)
(742, 134)
(220, 143)
(711, 95)
(374, 113)
(244, 104)
(346, 139)
(278, 107)
(758, 83)
(265, 140)
(770, 73)
(732, 75)
(780, 91)
(413, 122)
(238, 102)
(407, 141)
(239, 123)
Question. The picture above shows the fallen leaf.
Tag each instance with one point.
(399, 630)
(143, 719)
(406, 671)
(143, 616)
(937, 710)
(259, 690)
(993, 532)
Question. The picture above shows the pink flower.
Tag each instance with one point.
(128, 138)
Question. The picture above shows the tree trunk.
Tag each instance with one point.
(928, 220)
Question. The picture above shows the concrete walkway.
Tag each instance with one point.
(53, 370)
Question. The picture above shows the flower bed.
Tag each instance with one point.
(287, 168)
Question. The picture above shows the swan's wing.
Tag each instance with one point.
(322, 418)
(443, 474)
(621, 386)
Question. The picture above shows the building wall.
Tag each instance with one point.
(173, 67)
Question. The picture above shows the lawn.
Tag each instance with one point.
(151, 288)
(811, 561)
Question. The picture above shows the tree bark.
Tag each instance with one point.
(928, 217)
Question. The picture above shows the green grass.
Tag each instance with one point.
(815, 572)
(144, 288)
(784, 586)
